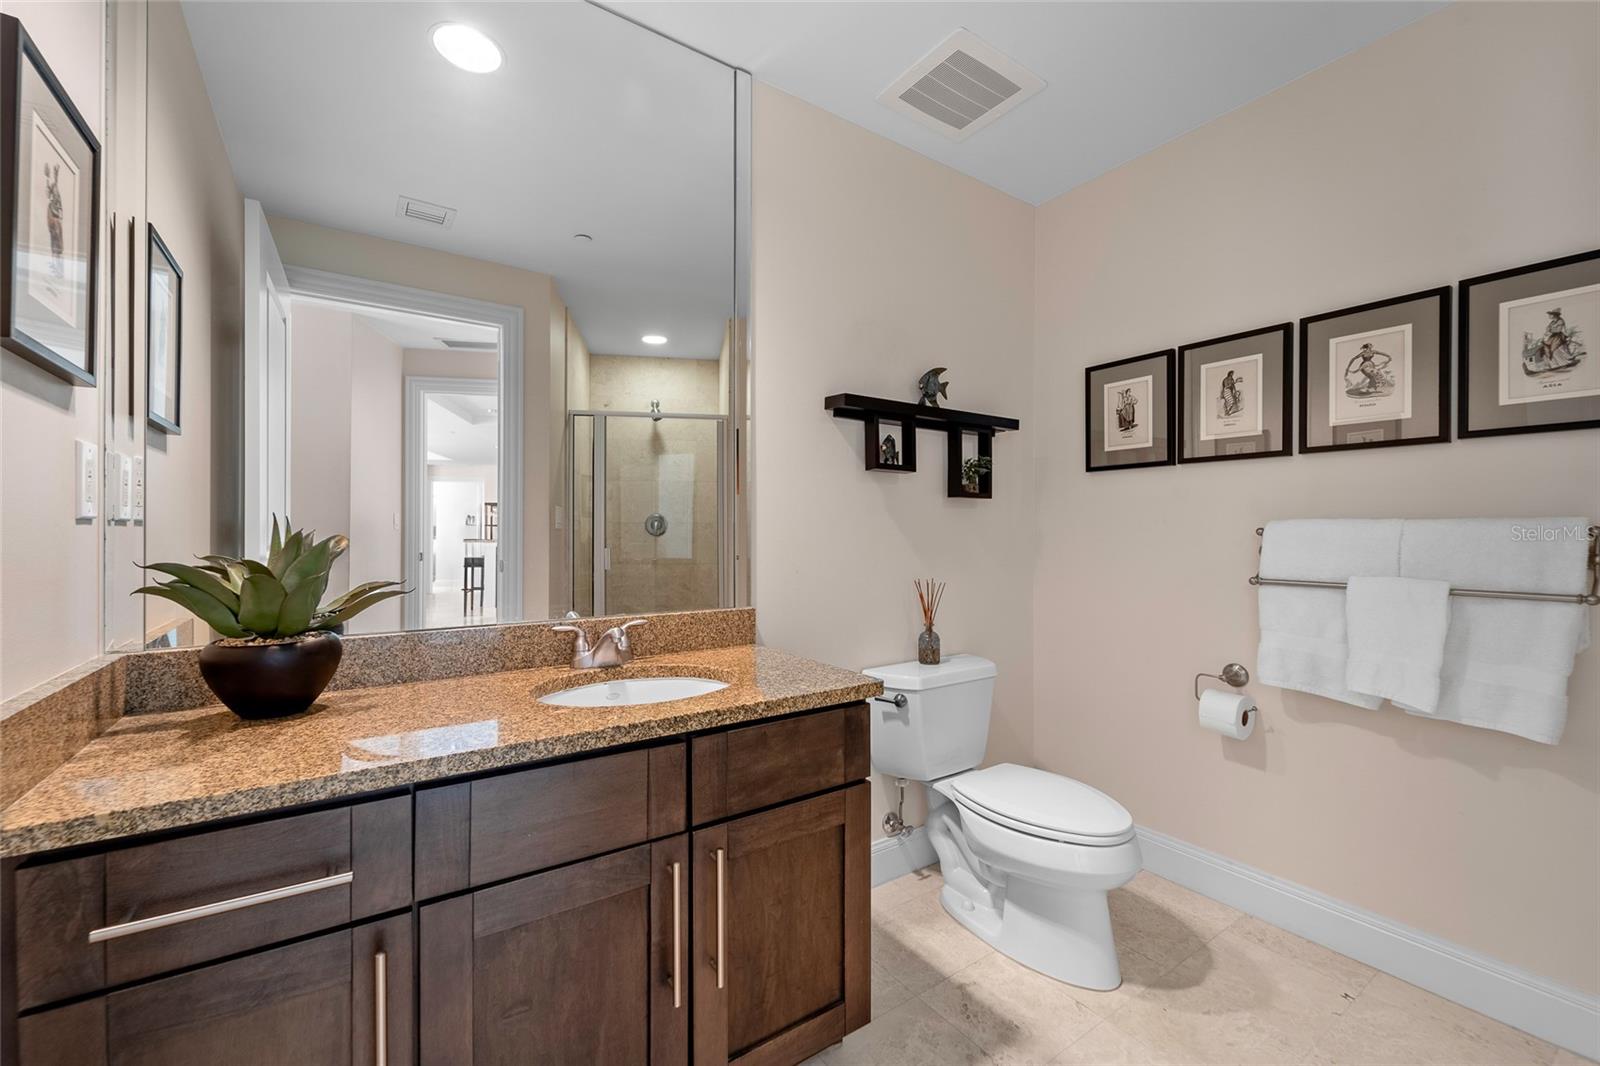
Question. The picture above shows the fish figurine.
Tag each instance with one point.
(931, 388)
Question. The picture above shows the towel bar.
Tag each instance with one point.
(1590, 598)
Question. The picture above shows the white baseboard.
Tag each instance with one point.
(1562, 1016)
(894, 857)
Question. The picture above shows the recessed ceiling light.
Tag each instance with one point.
(466, 47)
(653, 338)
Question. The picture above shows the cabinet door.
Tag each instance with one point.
(587, 964)
(342, 999)
(782, 931)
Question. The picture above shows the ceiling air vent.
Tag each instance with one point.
(961, 86)
(422, 211)
(469, 346)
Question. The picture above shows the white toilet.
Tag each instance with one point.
(1027, 856)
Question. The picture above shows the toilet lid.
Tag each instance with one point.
(1046, 804)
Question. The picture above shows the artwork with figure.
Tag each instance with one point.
(1544, 346)
(55, 263)
(1128, 415)
(1230, 398)
(1369, 376)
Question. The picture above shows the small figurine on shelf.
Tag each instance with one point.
(889, 452)
(929, 593)
(931, 388)
(973, 469)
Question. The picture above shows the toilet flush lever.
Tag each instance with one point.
(1233, 674)
(898, 699)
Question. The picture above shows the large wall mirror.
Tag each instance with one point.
(492, 269)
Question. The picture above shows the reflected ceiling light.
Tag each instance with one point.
(653, 338)
(466, 47)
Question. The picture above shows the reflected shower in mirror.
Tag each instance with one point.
(491, 324)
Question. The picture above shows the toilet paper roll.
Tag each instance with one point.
(1233, 714)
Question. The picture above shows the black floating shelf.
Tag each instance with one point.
(874, 411)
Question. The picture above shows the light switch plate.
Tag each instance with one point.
(87, 467)
(138, 488)
(124, 487)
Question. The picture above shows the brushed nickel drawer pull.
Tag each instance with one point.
(380, 994)
(677, 938)
(722, 916)
(206, 910)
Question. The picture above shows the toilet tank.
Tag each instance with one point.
(943, 727)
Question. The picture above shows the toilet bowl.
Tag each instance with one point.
(1027, 856)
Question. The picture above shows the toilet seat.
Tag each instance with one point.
(1041, 804)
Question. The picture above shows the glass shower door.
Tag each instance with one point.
(655, 496)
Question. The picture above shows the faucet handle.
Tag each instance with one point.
(581, 646)
(620, 633)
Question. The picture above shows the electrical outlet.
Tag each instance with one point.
(87, 466)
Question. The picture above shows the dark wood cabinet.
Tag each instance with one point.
(317, 1002)
(782, 930)
(582, 965)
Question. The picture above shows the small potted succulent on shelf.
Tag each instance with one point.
(279, 643)
(973, 469)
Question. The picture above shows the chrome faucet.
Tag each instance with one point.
(612, 649)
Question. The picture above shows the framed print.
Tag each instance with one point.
(163, 337)
(50, 192)
(1128, 413)
(1234, 396)
(1527, 357)
(1376, 374)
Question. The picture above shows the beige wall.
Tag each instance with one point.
(319, 438)
(1463, 144)
(50, 563)
(321, 248)
(871, 265)
(630, 382)
(377, 461)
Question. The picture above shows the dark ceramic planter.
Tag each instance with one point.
(271, 680)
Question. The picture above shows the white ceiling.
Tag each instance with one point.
(1121, 78)
(331, 111)
(425, 332)
(462, 428)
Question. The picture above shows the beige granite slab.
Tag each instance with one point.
(165, 770)
(45, 726)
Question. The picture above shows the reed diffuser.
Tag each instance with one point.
(929, 593)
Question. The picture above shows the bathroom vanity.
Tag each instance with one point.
(658, 883)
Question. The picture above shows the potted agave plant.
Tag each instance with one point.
(280, 644)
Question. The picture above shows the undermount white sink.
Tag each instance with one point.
(633, 690)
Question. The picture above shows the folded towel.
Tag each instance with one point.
(1506, 662)
(1303, 630)
(1397, 627)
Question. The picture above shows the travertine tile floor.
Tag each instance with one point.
(1202, 983)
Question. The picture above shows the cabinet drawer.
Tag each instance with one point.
(85, 923)
(759, 765)
(315, 1002)
(475, 832)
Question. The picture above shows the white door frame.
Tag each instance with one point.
(416, 497)
(266, 393)
(343, 288)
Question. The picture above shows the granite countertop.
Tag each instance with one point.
(151, 772)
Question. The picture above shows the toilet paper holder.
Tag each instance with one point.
(1233, 674)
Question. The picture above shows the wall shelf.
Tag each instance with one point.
(877, 414)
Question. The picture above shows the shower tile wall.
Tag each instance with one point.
(658, 467)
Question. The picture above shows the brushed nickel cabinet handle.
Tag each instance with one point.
(206, 910)
(677, 937)
(380, 995)
(722, 916)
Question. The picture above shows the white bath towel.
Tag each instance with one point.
(1303, 630)
(1506, 662)
(1396, 631)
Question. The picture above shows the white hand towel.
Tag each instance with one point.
(1397, 627)
(1506, 662)
(1303, 630)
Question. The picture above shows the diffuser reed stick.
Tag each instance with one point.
(929, 595)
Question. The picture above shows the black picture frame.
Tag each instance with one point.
(955, 487)
(1441, 322)
(22, 53)
(1165, 382)
(1283, 335)
(1473, 350)
(876, 427)
(160, 419)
